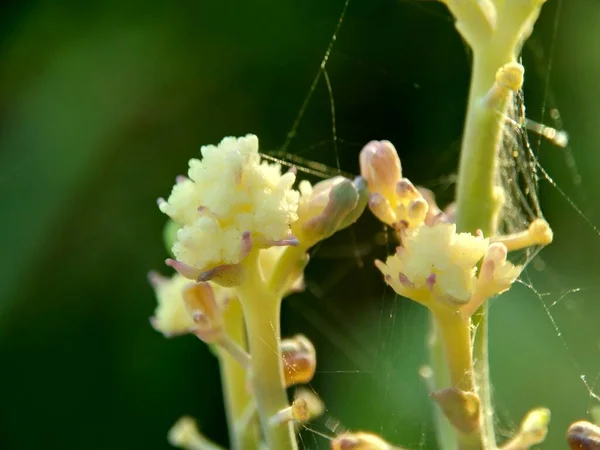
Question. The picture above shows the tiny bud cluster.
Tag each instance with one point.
(435, 264)
(393, 200)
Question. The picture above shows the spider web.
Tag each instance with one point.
(381, 346)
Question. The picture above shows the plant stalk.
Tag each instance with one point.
(478, 202)
(233, 379)
(455, 331)
(439, 379)
(262, 313)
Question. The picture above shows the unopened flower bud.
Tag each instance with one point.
(380, 166)
(206, 313)
(433, 210)
(381, 208)
(460, 407)
(534, 426)
(538, 233)
(326, 208)
(406, 190)
(185, 435)
(509, 78)
(360, 441)
(299, 360)
(409, 206)
(583, 435)
(298, 412)
(315, 405)
(495, 277)
(363, 197)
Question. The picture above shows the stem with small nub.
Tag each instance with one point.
(233, 379)
(262, 314)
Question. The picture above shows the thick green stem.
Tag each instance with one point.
(478, 202)
(495, 33)
(439, 379)
(455, 331)
(233, 378)
(291, 258)
(262, 311)
(456, 335)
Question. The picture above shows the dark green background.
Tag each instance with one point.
(102, 104)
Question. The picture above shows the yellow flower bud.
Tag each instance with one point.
(360, 441)
(380, 167)
(206, 312)
(460, 407)
(315, 405)
(185, 435)
(299, 360)
(329, 206)
(583, 435)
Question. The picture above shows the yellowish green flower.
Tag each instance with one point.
(229, 198)
(327, 207)
(435, 263)
(172, 316)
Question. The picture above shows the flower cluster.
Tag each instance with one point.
(434, 265)
(394, 200)
(178, 297)
(229, 202)
(188, 307)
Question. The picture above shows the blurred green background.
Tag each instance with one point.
(103, 103)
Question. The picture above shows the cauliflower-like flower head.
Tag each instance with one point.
(437, 263)
(227, 195)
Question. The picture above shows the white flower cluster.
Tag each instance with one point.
(435, 265)
(228, 194)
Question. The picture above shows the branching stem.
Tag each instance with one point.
(233, 378)
(262, 313)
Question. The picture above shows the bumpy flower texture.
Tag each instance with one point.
(171, 317)
(229, 195)
(436, 266)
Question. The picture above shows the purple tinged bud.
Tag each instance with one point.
(380, 166)
(185, 270)
(405, 281)
(583, 435)
(342, 200)
(404, 188)
(417, 209)
(226, 275)
(381, 208)
(207, 314)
